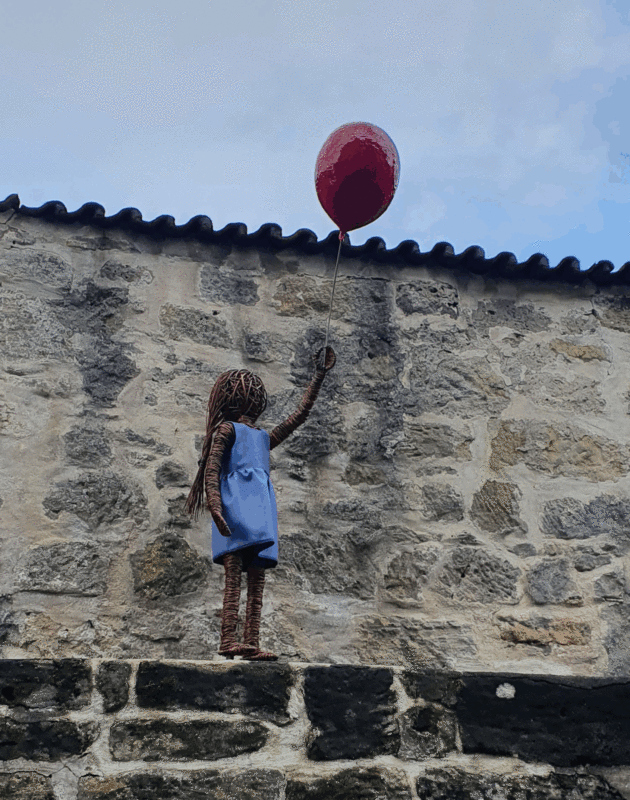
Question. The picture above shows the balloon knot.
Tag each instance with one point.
(342, 236)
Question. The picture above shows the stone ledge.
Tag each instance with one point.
(54, 709)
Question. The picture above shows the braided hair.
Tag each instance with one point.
(235, 394)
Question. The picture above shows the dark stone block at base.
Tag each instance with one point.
(249, 785)
(172, 740)
(370, 783)
(46, 740)
(354, 708)
(112, 681)
(454, 784)
(21, 786)
(564, 722)
(258, 690)
(65, 684)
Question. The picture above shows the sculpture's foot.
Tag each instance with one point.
(237, 650)
(261, 656)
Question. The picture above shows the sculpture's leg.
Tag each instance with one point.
(229, 647)
(251, 636)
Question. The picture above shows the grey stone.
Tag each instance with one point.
(424, 297)
(473, 574)
(106, 372)
(40, 687)
(242, 784)
(29, 329)
(45, 268)
(87, 447)
(610, 587)
(569, 518)
(178, 517)
(325, 563)
(613, 311)
(115, 270)
(451, 783)
(523, 317)
(407, 573)
(190, 740)
(588, 559)
(112, 681)
(442, 503)
(170, 473)
(467, 387)
(434, 440)
(79, 568)
(219, 286)
(167, 567)
(495, 508)
(550, 582)
(140, 440)
(194, 325)
(617, 637)
(98, 498)
(97, 313)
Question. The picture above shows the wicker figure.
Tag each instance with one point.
(233, 475)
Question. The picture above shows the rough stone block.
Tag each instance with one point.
(423, 644)
(564, 722)
(249, 784)
(433, 687)
(87, 447)
(551, 582)
(471, 573)
(170, 473)
(523, 317)
(98, 498)
(569, 518)
(427, 297)
(78, 568)
(559, 449)
(427, 732)
(544, 632)
(45, 740)
(442, 503)
(174, 740)
(112, 681)
(352, 712)
(42, 684)
(194, 325)
(168, 567)
(360, 783)
(26, 786)
(223, 288)
(495, 508)
(455, 784)
(258, 690)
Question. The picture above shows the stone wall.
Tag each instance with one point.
(457, 500)
(81, 729)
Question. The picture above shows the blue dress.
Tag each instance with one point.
(249, 502)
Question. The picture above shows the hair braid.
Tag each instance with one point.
(235, 393)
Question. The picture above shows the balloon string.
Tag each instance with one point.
(332, 294)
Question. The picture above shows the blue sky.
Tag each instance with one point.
(512, 120)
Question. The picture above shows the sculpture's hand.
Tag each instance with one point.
(329, 360)
(221, 524)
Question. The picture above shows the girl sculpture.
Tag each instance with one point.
(234, 476)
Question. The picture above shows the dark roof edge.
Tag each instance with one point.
(473, 260)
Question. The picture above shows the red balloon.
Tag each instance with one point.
(356, 174)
